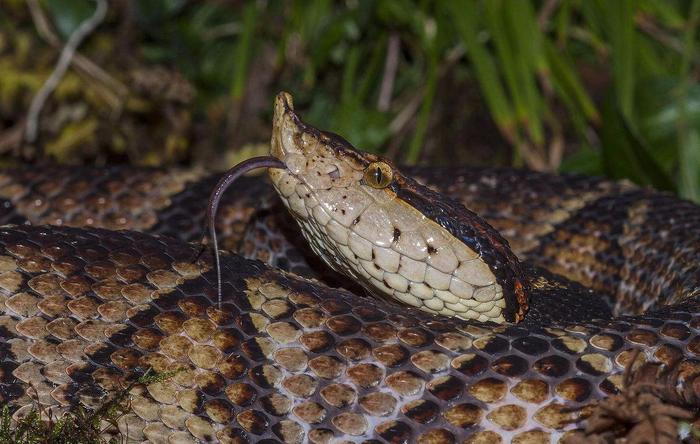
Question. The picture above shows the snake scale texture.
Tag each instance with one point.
(84, 308)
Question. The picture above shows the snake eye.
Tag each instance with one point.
(378, 175)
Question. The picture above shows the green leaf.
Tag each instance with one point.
(414, 149)
(665, 11)
(688, 136)
(464, 14)
(566, 78)
(689, 160)
(151, 12)
(525, 36)
(584, 161)
(244, 49)
(67, 15)
(625, 154)
(620, 15)
(505, 53)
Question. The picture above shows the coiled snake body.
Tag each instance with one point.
(288, 359)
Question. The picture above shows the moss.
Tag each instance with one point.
(78, 426)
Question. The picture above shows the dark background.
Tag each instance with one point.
(594, 86)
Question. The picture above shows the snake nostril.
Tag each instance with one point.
(335, 173)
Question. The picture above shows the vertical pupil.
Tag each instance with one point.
(378, 175)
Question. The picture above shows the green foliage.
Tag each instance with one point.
(593, 86)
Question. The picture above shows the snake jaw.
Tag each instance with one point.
(395, 239)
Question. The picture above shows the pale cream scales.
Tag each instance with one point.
(369, 233)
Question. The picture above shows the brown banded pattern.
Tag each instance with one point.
(286, 359)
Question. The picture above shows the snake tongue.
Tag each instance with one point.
(215, 198)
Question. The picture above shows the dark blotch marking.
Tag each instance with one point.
(397, 235)
(494, 345)
(431, 249)
(676, 331)
(356, 220)
(344, 325)
(608, 387)
(531, 345)
(554, 365)
(257, 375)
(574, 389)
(246, 324)
(511, 366)
(394, 432)
(447, 389)
(253, 421)
(253, 350)
(474, 366)
(422, 412)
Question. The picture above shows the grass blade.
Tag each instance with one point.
(464, 13)
(244, 50)
(567, 79)
(621, 33)
(689, 139)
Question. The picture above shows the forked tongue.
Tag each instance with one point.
(215, 198)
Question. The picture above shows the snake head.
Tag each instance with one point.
(394, 236)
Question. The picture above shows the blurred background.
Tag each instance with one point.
(591, 86)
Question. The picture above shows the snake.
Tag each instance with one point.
(472, 305)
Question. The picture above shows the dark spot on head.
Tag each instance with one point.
(342, 211)
(431, 249)
(318, 173)
(397, 234)
(356, 220)
(308, 195)
(408, 288)
(345, 196)
(373, 255)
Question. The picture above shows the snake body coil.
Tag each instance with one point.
(84, 310)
